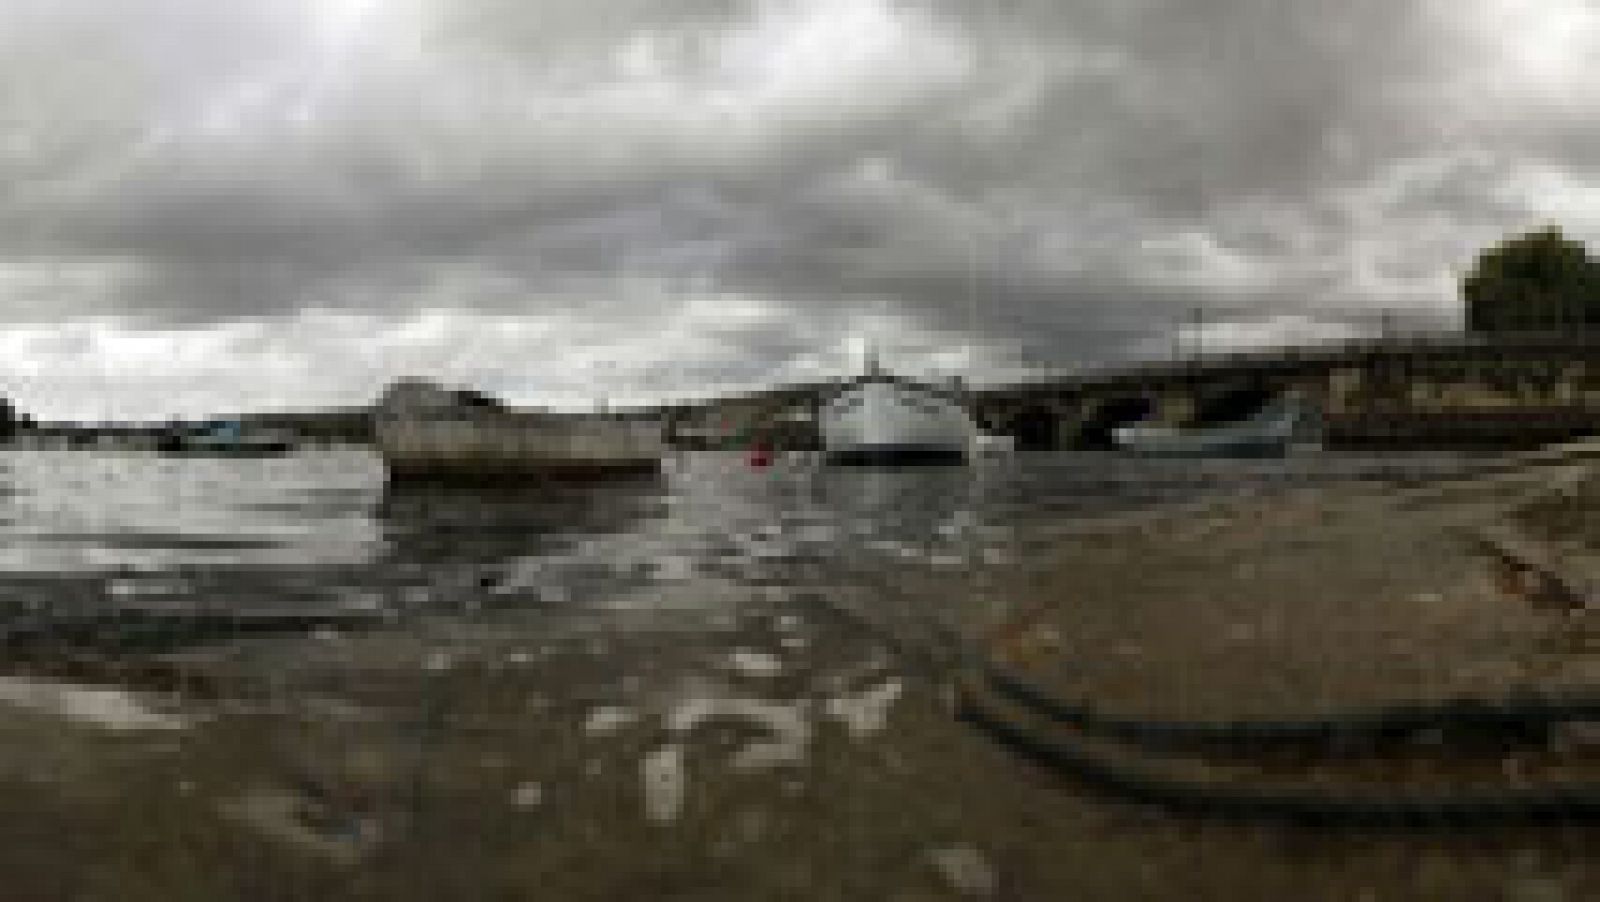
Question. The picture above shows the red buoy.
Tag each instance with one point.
(760, 454)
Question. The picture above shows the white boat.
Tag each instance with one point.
(424, 432)
(1288, 424)
(881, 419)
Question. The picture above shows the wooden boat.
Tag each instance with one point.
(431, 434)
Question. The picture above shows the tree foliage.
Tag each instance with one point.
(1541, 281)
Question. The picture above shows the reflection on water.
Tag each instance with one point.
(320, 530)
(86, 511)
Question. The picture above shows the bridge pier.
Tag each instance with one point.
(1174, 408)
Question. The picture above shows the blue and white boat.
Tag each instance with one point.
(881, 419)
(1283, 426)
(225, 438)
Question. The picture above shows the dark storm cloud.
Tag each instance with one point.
(1072, 177)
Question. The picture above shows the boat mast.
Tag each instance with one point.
(972, 310)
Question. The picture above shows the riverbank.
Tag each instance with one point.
(1317, 606)
(1315, 600)
(740, 741)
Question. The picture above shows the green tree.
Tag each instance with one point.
(1540, 281)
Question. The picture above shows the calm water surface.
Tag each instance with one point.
(318, 531)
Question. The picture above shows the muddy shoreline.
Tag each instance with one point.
(532, 754)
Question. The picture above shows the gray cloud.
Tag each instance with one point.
(1063, 178)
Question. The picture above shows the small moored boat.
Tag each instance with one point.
(1285, 425)
(425, 432)
(225, 439)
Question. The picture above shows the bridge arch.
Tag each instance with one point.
(1034, 426)
(1233, 402)
(1111, 413)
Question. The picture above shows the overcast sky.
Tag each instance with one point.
(254, 204)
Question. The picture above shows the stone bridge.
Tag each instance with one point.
(1458, 389)
(1513, 390)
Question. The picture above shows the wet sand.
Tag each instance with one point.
(536, 755)
(1311, 602)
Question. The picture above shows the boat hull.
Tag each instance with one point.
(506, 447)
(910, 454)
(888, 422)
(477, 472)
(1277, 432)
(273, 449)
(228, 445)
(237, 453)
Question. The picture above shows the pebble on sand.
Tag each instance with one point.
(527, 795)
(664, 783)
(966, 869)
(755, 663)
(608, 719)
(866, 712)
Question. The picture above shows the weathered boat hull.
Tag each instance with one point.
(504, 447)
(907, 454)
(478, 472)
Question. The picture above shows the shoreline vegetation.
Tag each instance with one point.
(443, 760)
